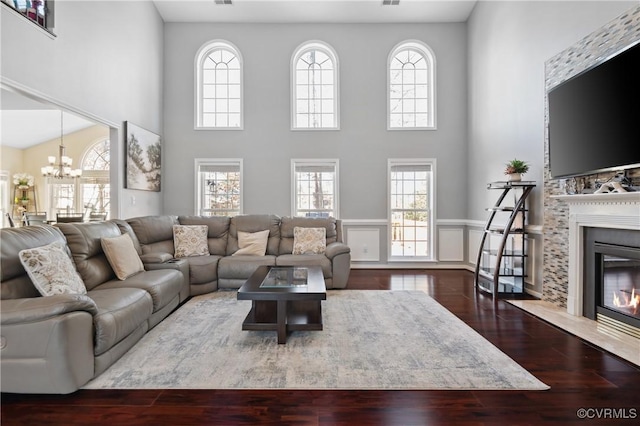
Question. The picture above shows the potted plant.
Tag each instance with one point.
(23, 180)
(515, 169)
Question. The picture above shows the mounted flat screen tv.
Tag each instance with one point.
(594, 118)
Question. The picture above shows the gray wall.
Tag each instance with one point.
(105, 61)
(508, 45)
(362, 145)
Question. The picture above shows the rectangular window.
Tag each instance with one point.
(315, 188)
(411, 195)
(96, 191)
(219, 187)
(89, 194)
(62, 197)
(38, 11)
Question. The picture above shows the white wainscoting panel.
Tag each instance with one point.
(364, 244)
(451, 244)
(474, 237)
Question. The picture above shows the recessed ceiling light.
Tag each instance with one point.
(222, 1)
(390, 2)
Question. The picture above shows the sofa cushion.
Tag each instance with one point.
(289, 224)
(241, 267)
(307, 260)
(252, 243)
(51, 270)
(203, 269)
(309, 240)
(218, 231)
(83, 240)
(162, 284)
(122, 256)
(254, 223)
(155, 233)
(190, 240)
(120, 312)
(16, 284)
(125, 228)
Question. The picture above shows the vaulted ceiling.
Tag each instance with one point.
(315, 11)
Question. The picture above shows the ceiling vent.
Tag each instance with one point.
(222, 1)
(390, 2)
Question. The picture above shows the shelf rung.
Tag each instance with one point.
(506, 253)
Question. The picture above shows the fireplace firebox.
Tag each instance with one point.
(612, 278)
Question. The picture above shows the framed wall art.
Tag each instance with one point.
(143, 166)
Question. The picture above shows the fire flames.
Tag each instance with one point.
(631, 301)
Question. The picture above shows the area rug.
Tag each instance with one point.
(371, 340)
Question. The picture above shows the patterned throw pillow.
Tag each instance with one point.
(51, 270)
(309, 240)
(252, 243)
(190, 240)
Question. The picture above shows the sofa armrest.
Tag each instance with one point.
(335, 249)
(16, 311)
(155, 257)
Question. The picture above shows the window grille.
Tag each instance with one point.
(95, 180)
(219, 186)
(410, 209)
(219, 87)
(315, 87)
(315, 188)
(411, 75)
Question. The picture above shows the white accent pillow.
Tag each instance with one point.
(252, 243)
(51, 270)
(190, 240)
(309, 240)
(122, 255)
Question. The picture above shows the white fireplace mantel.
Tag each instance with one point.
(611, 210)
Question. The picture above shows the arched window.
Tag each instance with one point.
(219, 86)
(412, 93)
(95, 187)
(91, 193)
(314, 87)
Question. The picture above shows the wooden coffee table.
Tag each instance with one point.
(284, 298)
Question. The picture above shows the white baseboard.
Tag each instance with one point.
(405, 265)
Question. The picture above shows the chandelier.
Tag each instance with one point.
(61, 169)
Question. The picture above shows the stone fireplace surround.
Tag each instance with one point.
(613, 211)
(559, 283)
(561, 302)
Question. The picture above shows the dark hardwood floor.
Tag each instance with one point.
(581, 377)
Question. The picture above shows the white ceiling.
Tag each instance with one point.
(315, 11)
(25, 122)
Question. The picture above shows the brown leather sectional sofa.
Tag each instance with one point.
(56, 344)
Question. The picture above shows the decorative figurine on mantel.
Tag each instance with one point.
(515, 169)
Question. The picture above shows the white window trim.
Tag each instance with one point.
(431, 59)
(330, 51)
(216, 162)
(316, 162)
(202, 53)
(5, 204)
(50, 183)
(432, 210)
